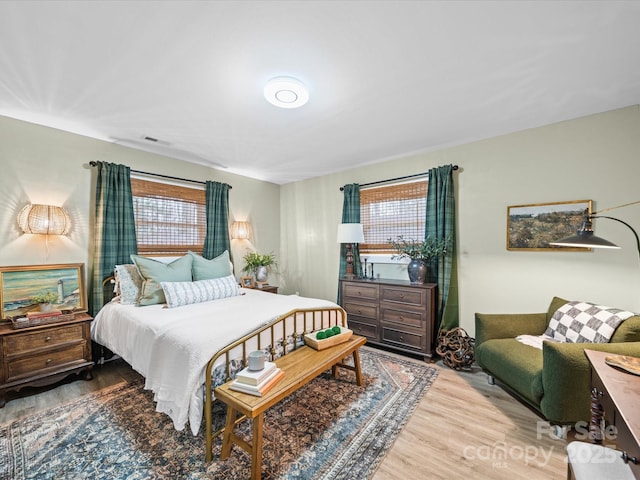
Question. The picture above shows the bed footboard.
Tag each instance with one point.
(280, 337)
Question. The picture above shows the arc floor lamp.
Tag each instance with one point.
(586, 238)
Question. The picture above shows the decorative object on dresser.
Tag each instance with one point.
(44, 354)
(392, 313)
(22, 288)
(420, 253)
(350, 233)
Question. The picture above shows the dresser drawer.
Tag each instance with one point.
(414, 297)
(364, 329)
(403, 317)
(25, 342)
(360, 310)
(626, 443)
(403, 338)
(360, 290)
(34, 364)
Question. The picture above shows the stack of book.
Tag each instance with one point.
(39, 314)
(257, 382)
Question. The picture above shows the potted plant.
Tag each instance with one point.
(421, 252)
(259, 264)
(44, 300)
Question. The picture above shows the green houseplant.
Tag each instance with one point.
(421, 252)
(259, 264)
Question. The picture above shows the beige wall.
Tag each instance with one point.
(44, 165)
(595, 157)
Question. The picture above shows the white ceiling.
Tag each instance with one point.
(385, 77)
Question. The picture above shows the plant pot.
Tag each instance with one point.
(417, 270)
(261, 274)
(46, 307)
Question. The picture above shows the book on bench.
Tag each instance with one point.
(254, 377)
(260, 389)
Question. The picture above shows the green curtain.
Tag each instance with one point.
(441, 223)
(350, 214)
(115, 228)
(216, 240)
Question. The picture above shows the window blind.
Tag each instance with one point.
(170, 219)
(392, 210)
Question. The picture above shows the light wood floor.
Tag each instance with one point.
(462, 428)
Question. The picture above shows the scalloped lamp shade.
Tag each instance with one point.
(44, 219)
(240, 230)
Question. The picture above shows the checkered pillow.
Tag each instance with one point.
(581, 322)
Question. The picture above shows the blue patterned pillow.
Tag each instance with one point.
(186, 293)
(128, 283)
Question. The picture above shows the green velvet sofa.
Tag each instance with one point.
(555, 380)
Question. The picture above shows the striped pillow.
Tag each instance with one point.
(186, 293)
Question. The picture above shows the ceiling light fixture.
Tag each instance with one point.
(286, 92)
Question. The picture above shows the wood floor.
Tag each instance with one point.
(462, 428)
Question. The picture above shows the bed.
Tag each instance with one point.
(185, 352)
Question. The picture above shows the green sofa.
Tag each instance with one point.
(555, 380)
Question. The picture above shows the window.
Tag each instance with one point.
(170, 219)
(392, 210)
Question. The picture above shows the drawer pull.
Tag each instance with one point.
(626, 458)
(47, 339)
(360, 312)
(401, 338)
(596, 392)
(402, 295)
(48, 361)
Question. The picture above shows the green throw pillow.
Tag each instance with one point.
(204, 269)
(153, 272)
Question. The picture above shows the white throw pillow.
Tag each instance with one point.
(186, 293)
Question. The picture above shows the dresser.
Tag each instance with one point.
(44, 354)
(616, 400)
(392, 313)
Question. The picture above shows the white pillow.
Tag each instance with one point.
(186, 293)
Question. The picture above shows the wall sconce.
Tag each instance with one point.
(240, 230)
(44, 219)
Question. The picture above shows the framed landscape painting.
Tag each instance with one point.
(532, 227)
(18, 286)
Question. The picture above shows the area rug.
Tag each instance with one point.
(329, 429)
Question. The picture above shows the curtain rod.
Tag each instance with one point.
(159, 175)
(454, 167)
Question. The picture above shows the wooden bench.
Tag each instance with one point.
(300, 367)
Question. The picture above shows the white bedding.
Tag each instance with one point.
(170, 347)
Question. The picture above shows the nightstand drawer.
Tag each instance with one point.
(25, 342)
(415, 297)
(368, 311)
(32, 365)
(359, 290)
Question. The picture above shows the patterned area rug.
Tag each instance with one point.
(329, 429)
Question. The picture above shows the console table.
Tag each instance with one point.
(393, 313)
(616, 399)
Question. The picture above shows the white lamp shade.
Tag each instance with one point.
(44, 219)
(350, 233)
(240, 230)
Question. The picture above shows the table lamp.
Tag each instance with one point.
(350, 233)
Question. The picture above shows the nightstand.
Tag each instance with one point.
(268, 288)
(44, 354)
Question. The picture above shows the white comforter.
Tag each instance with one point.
(170, 347)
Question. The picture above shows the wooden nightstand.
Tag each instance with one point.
(44, 354)
(268, 288)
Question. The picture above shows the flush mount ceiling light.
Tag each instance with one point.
(286, 92)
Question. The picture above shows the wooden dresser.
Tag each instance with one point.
(393, 313)
(44, 354)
